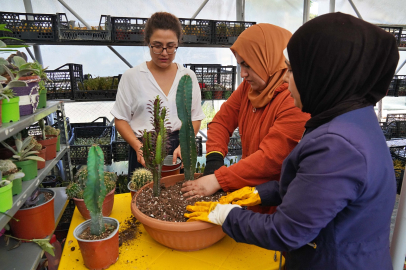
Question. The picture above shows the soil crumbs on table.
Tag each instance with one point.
(170, 205)
(130, 230)
(86, 235)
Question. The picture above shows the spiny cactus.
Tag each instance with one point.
(186, 133)
(36, 145)
(7, 167)
(51, 131)
(95, 190)
(140, 177)
(74, 190)
(156, 142)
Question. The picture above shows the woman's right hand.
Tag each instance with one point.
(140, 157)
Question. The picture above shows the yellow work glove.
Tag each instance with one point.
(246, 196)
(212, 212)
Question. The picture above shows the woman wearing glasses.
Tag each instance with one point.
(159, 76)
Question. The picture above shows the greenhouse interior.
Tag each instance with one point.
(182, 135)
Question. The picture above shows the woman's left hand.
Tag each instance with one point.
(177, 154)
(204, 186)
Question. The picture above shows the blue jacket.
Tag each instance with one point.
(337, 190)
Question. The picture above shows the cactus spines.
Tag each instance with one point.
(140, 177)
(73, 190)
(155, 143)
(95, 190)
(186, 133)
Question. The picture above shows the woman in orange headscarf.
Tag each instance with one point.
(270, 125)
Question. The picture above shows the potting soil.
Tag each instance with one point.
(129, 230)
(86, 235)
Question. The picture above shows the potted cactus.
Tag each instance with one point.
(24, 157)
(48, 141)
(41, 152)
(184, 236)
(11, 173)
(97, 237)
(75, 191)
(140, 177)
(51, 131)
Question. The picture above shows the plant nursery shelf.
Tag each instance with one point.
(28, 255)
(10, 129)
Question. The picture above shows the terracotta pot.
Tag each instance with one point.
(98, 254)
(50, 144)
(35, 222)
(42, 153)
(183, 236)
(170, 169)
(107, 205)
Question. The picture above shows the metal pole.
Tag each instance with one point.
(306, 10)
(240, 16)
(37, 50)
(75, 14)
(401, 66)
(332, 6)
(30, 53)
(200, 8)
(355, 9)
(398, 244)
(119, 56)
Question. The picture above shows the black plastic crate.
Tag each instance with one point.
(98, 122)
(64, 81)
(396, 130)
(126, 29)
(395, 31)
(196, 31)
(227, 32)
(78, 153)
(402, 42)
(401, 85)
(29, 26)
(199, 145)
(120, 149)
(392, 91)
(395, 117)
(67, 32)
(215, 81)
(95, 95)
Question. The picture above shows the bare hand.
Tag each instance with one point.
(140, 157)
(177, 153)
(204, 186)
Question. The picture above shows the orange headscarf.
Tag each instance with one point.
(261, 46)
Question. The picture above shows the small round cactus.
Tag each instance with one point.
(36, 145)
(7, 167)
(140, 177)
(51, 131)
(74, 190)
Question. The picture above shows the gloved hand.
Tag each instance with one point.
(246, 196)
(214, 161)
(212, 212)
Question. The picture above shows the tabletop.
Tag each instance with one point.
(143, 252)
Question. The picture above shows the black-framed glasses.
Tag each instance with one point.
(158, 49)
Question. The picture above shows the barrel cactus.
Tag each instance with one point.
(186, 134)
(140, 177)
(156, 142)
(74, 190)
(36, 145)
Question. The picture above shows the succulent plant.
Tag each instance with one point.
(23, 151)
(7, 91)
(74, 190)
(186, 133)
(4, 183)
(9, 170)
(156, 142)
(36, 145)
(140, 177)
(49, 130)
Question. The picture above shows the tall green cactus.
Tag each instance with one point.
(156, 143)
(95, 190)
(186, 133)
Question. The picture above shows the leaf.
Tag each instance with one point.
(16, 245)
(18, 61)
(45, 245)
(16, 84)
(9, 147)
(37, 158)
(3, 28)
(2, 44)
(1, 77)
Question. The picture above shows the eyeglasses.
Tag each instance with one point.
(158, 49)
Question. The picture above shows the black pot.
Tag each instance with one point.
(49, 181)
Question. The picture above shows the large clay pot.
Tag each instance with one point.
(29, 97)
(183, 236)
(50, 144)
(98, 254)
(107, 205)
(35, 222)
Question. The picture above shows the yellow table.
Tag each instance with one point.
(145, 253)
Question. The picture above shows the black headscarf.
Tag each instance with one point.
(340, 63)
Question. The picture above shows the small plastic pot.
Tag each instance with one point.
(50, 144)
(132, 191)
(49, 181)
(17, 186)
(29, 168)
(107, 205)
(42, 99)
(10, 110)
(42, 153)
(170, 169)
(6, 197)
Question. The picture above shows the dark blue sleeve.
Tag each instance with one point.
(331, 174)
(269, 193)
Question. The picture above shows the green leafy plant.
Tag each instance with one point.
(140, 177)
(156, 142)
(23, 151)
(186, 133)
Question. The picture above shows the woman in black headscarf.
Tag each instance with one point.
(337, 188)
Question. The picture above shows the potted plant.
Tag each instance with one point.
(24, 157)
(36, 218)
(140, 177)
(75, 191)
(218, 91)
(185, 236)
(227, 93)
(6, 195)
(97, 237)
(51, 131)
(207, 93)
(11, 173)
(49, 141)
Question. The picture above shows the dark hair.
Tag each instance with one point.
(165, 21)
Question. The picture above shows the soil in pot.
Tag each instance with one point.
(170, 205)
(86, 235)
(49, 181)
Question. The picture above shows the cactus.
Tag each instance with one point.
(51, 131)
(7, 167)
(41, 124)
(186, 133)
(74, 190)
(95, 190)
(140, 177)
(36, 145)
(156, 142)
